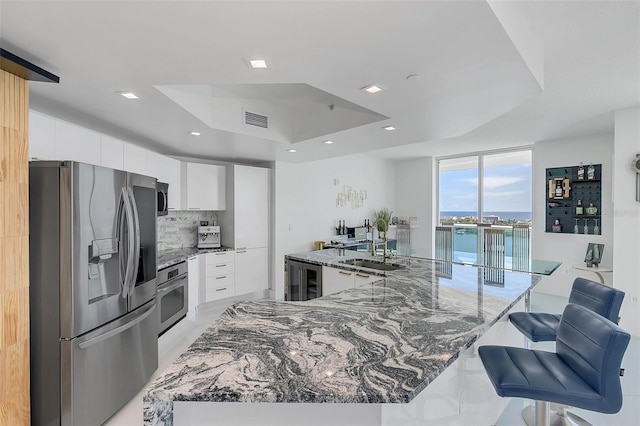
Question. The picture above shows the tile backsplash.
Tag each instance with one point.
(178, 228)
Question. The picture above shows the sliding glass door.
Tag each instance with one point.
(486, 191)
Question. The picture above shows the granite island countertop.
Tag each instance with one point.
(383, 342)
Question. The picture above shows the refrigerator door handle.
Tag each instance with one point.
(130, 243)
(118, 330)
(136, 243)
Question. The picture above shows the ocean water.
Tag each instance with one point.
(502, 215)
(468, 243)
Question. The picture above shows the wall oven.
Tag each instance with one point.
(172, 295)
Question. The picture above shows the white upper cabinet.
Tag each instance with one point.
(205, 187)
(42, 137)
(135, 159)
(251, 206)
(112, 152)
(77, 143)
(167, 169)
(245, 223)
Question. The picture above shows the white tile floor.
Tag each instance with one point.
(177, 339)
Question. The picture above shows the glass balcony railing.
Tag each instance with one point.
(500, 246)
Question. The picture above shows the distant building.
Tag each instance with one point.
(492, 219)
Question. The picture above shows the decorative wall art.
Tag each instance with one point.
(354, 197)
(574, 199)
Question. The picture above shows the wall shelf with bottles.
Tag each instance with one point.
(574, 199)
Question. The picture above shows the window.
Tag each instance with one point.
(493, 189)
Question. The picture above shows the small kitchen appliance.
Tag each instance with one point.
(162, 191)
(208, 236)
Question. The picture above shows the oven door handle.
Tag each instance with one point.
(164, 288)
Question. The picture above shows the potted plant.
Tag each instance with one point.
(381, 221)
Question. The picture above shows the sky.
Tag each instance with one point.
(506, 188)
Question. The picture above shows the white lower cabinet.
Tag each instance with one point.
(219, 287)
(219, 271)
(361, 278)
(335, 280)
(252, 270)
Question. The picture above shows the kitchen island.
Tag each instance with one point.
(361, 356)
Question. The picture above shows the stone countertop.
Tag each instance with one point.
(170, 257)
(383, 342)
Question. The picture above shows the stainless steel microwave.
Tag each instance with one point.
(162, 190)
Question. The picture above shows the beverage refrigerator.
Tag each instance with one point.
(93, 316)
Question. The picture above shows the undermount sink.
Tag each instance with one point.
(372, 264)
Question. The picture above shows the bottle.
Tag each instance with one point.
(558, 191)
(581, 171)
(592, 210)
(579, 209)
(591, 172)
(557, 227)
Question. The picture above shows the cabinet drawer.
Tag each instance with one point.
(361, 278)
(219, 269)
(219, 257)
(219, 287)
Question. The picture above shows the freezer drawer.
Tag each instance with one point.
(102, 370)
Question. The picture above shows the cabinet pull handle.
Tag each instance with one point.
(345, 273)
(221, 265)
(221, 289)
(220, 253)
(362, 275)
(240, 251)
(194, 208)
(221, 277)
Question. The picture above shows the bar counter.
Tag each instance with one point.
(379, 344)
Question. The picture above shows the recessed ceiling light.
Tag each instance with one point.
(327, 142)
(389, 128)
(194, 133)
(129, 95)
(291, 150)
(256, 63)
(372, 88)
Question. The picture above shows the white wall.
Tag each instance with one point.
(570, 248)
(305, 202)
(415, 196)
(626, 215)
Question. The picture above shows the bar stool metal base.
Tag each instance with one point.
(559, 418)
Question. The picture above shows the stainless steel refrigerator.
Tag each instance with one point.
(93, 316)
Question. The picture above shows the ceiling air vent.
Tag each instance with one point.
(254, 119)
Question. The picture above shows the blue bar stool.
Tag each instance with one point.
(542, 327)
(584, 371)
